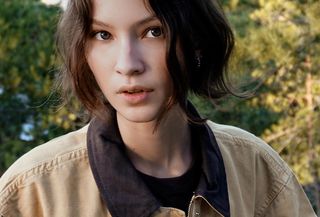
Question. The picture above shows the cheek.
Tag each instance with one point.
(157, 74)
(99, 66)
(169, 86)
(92, 60)
(165, 76)
(95, 61)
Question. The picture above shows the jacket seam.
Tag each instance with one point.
(263, 152)
(224, 136)
(40, 169)
(278, 169)
(263, 209)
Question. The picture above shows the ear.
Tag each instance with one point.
(198, 57)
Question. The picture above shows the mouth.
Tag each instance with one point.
(135, 94)
(133, 90)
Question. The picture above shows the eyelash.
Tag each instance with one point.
(155, 28)
(98, 36)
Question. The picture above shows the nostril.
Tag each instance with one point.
(129, 62)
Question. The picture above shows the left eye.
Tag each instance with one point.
(154, 32)
(103, 35)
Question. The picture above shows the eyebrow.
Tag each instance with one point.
(139, 23)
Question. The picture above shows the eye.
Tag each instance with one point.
(102, 35)
(154, 32)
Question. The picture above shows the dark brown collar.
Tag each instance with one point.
(121, 187)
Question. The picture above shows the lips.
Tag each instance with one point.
(134, 94)
(134, 89)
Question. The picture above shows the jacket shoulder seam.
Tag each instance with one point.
(256, 144)
(273, 196)
(40, 169)
(280, 170)
(263, 149)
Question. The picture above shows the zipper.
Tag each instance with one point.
(189, 208)
(198, 214)
(211, 205)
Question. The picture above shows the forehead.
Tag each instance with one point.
(120, 10)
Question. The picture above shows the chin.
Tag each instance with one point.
(140, 115)
(141, 118)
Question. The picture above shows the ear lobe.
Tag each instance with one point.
(198, 57)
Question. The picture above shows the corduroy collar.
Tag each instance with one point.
(120, 186)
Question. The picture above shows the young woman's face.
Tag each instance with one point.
(126, 53)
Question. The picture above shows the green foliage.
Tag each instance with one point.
(278, 47)
(27, 61)
(286, 39)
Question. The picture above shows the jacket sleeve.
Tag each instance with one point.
(290, 202)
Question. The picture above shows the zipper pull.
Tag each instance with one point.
(194, 207)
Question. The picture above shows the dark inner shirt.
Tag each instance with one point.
(177, 191)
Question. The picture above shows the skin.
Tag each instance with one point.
(126, 54)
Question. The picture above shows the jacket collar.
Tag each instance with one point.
(123, 190)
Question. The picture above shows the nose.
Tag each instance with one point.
(129, 59)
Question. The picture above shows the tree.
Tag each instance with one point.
(278, 42)
(291, 45)
(27, 66)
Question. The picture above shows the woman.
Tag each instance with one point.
(147, 152)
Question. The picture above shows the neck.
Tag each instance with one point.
(161, 152)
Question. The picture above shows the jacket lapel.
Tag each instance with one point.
(213, 184)
(124, 191)
(118, 182)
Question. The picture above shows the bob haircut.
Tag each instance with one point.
(199, 42)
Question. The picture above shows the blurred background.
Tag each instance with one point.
(277, 55)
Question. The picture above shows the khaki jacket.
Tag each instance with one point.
(55, 180)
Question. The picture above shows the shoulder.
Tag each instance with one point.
(256, 171)
(234, 134)
(238, 145)
(45, 158)
(234, 138)
(249, 163)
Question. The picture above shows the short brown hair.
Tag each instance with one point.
(200, 66)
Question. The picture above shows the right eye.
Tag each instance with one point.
(102, 35)
(154, 32)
